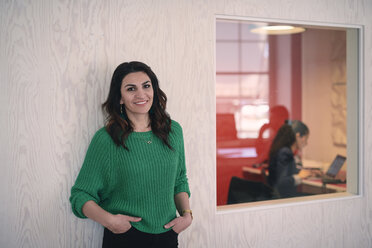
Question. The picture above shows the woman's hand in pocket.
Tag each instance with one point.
(119, 223)
(179, 224)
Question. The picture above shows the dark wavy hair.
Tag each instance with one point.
(285, 137)
(119, 125)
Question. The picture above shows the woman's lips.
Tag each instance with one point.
(141, 102)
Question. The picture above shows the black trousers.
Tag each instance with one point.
(137, 239)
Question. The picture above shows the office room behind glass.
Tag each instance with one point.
(263, 80)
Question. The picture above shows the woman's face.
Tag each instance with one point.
(301, 141)
(136, 94)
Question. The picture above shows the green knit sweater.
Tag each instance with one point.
(140, 182)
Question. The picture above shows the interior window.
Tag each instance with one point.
(271, 76)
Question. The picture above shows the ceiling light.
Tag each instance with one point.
(280, 29)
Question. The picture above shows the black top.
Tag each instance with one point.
(282, 167)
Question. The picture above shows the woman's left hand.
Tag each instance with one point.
(179, 224)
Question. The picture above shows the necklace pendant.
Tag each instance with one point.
(149, 142)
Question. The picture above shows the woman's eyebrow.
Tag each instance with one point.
(133, 85)
(130, 85)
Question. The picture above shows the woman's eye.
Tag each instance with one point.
(147, 86)
(130, 89)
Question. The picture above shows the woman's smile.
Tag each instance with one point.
(141, 102)
(137, 94)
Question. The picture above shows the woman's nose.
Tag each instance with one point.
(140, 93)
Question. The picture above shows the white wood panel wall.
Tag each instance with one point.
(56, 61)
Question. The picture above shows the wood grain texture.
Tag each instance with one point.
(56, 62)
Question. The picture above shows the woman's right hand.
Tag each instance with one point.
(305, 174)
(119, 223)
(310, 173)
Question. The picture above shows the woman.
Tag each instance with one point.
(133, 178)
(284, 174)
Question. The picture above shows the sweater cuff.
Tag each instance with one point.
(182, 188)
(77, 208)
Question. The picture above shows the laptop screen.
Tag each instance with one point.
(336, 165)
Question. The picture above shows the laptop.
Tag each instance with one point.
(334, 168)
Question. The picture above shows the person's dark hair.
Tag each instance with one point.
(299, 127)
(118, 125)
(285, 137)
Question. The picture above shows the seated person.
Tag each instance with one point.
(284, 175)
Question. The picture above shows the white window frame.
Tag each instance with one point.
(355, 129)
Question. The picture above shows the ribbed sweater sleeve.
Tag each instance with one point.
(181, 184)
(94, 177)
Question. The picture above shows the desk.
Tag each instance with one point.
(315, 186)
(312, 186)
